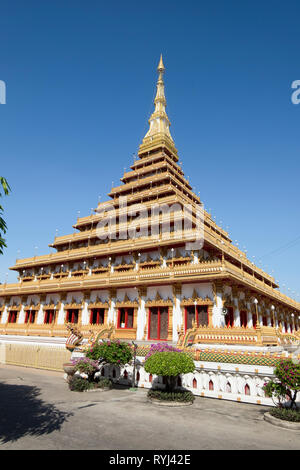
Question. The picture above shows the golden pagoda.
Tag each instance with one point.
(151, 263)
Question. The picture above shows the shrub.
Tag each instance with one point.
(103, 382)
(169, 365)
(85, 365)
(161, 347)
(112, 352)
(286, 383)
(286, 414)
(78, 384)
(185, 396)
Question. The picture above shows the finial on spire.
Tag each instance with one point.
(161, 67)
(158, 135)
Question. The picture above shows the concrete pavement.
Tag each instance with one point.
(39, 412)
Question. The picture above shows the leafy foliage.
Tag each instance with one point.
(103, 382)
(3, 226)
(111, 352)
(169, 365)
(78, 384)
(185, 396)
(286, 383)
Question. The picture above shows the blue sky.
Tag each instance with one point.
(80, 80)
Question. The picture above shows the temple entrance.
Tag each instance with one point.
(158, 323)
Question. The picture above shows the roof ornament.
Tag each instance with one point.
(158, 134)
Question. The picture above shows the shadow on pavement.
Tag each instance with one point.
(24, 413)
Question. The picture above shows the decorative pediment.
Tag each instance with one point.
(158, 300)
(51, 306)
(126, 302)
(14, 306)
(73, 304)
(32, 306)
(98, 303)
(196, 300)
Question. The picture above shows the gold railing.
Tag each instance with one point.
(40, 357)
(33, 329)
(258, 336)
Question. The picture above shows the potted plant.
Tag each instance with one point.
(170, 365)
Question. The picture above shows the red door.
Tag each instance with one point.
(158, 323)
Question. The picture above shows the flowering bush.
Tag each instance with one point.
(286, 383)
(169, 365)
(84, 365)
(161, 347)
(111, 352)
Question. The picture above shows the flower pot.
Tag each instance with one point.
(69, 368)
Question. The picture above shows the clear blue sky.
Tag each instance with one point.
(80, 80)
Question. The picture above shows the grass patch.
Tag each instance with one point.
(286, 414)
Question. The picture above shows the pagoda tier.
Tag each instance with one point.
(151, 285)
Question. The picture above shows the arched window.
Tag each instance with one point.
(137, 376)
(150, 378)
(228, 387)
(195, 383)
(247, 389)
(211, 385)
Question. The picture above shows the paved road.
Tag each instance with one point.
(39, 412)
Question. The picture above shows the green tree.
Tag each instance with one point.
(3, 192)
(285, 384)
(169, 365)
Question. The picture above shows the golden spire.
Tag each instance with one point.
(159, 132)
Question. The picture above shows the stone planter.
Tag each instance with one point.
(69, 368)
(169, 403)
(281, 422)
